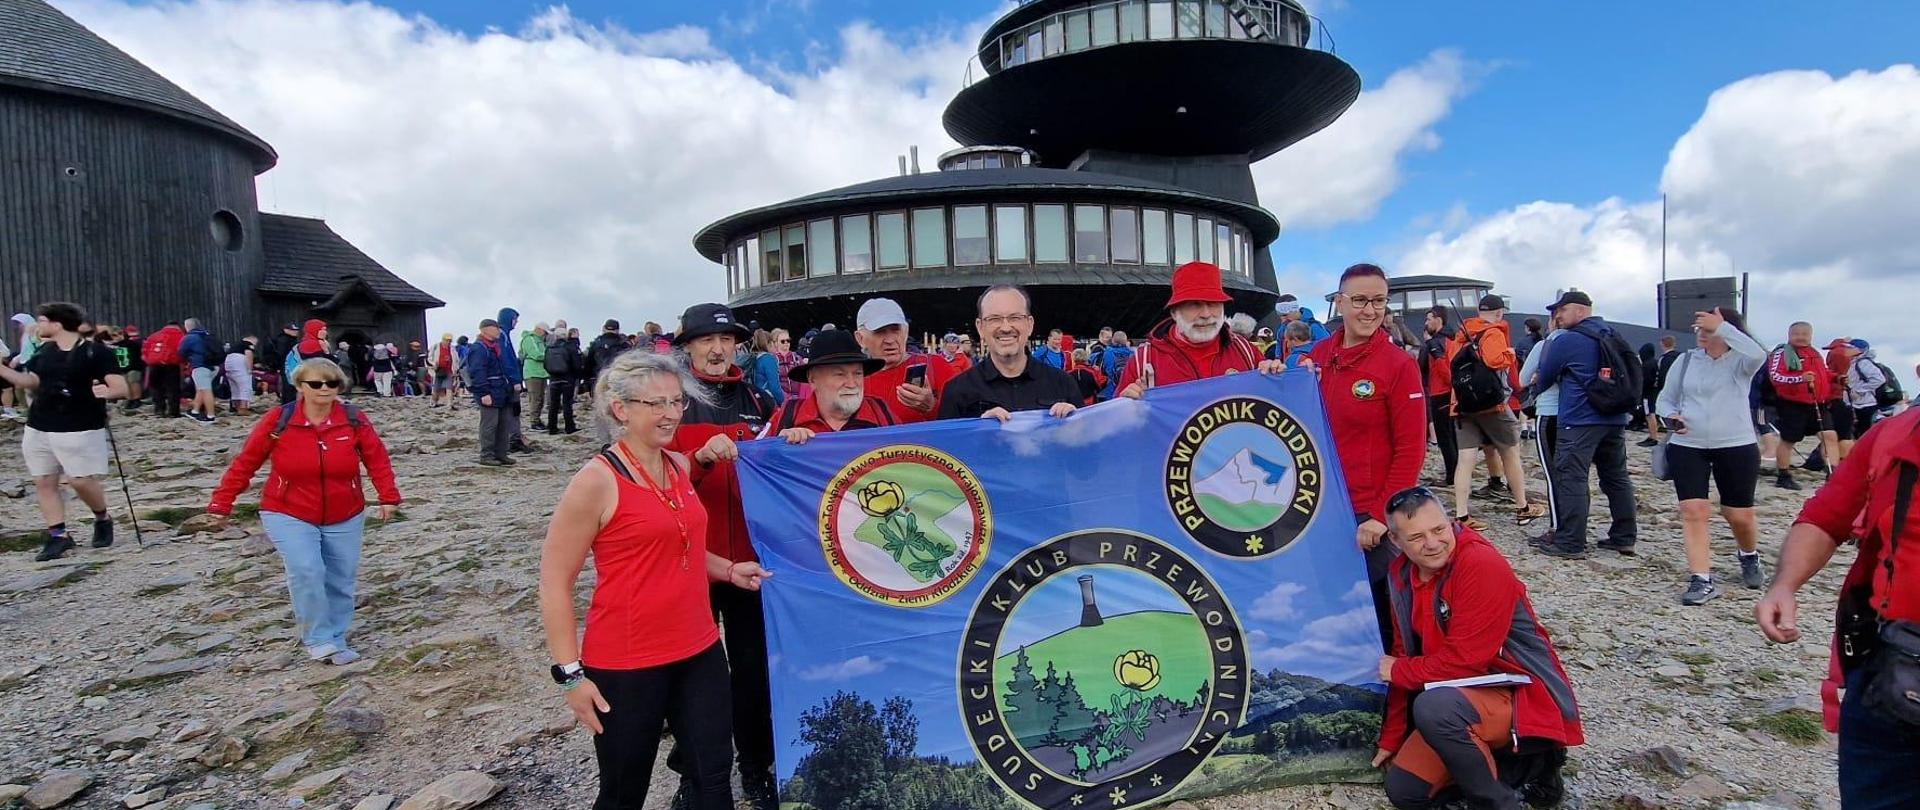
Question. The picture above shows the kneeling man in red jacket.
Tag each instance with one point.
(1459, 612)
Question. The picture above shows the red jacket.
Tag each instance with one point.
(162, 348)
(1838, 364)
(1174, 360)
(1490, 627)
(885, 384)
(1378, 414)
(737, 413)
(1811, 385)
(310, 345)
(316, 471)
(1858, 503)
(804, 412)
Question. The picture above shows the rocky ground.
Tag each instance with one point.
(167, 676)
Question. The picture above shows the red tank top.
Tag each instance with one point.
(648, 609)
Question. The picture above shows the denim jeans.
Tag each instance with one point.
(321, 564)
(1879, 755)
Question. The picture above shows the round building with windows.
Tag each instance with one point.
(1104, 144)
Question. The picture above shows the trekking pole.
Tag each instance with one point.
(124, 489)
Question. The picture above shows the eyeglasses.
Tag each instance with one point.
(998, 321)
(319, 384)
(663, 404)
(1367, 303)
(784, 340)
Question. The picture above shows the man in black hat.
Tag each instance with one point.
(600, 353)
(730, 411)
(1589, 438)
(837, 369)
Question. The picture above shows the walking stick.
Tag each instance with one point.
(124, 490)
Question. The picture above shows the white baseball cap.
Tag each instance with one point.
(879, 313)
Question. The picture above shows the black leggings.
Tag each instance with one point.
(691, 698)
(1735, 472)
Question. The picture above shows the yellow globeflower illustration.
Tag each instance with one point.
(882, 498)
(1138, 670)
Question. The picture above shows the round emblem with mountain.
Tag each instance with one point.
(1101, 670)
(1244, 477)
(905, 525)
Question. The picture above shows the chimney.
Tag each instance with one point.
(915, 152)
(903, 165)
(1089, 612)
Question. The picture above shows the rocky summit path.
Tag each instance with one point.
(168, 676)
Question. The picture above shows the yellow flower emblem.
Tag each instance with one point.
(1138, 670)
(882, 498)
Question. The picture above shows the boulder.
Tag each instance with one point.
(224, 751)
(314, 783)
(130, 736)
(354, 720)
(288, 765)
(57, 788)
(203, 522)
(455, 791)
(378, 801)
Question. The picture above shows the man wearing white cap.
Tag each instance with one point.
(909, 384)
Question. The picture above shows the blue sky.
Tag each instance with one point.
(1569, 101)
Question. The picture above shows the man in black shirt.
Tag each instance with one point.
(1010, 380)
(67, 425)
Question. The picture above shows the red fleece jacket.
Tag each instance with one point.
(1378, 414)
(1175, 360)
(316, 470)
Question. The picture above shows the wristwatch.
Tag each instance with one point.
(565, 674)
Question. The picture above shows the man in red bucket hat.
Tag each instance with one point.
(1193, 343)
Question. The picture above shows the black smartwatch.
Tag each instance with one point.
(564, 674)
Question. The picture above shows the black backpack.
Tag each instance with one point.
(1889, 393)
(1477, 388)
(559, 361)
(1616, 385)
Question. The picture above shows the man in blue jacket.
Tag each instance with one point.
(515, 383)
(202, 356)
(489, 366)
(1586, 438)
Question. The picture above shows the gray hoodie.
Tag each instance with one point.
(1864, 378)
(1711, 395)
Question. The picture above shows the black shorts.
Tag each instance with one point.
(1840, 416)
(1734, 470)
(1864, 418)
(1798, 420)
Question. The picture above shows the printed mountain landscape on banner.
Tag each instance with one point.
(976, 615)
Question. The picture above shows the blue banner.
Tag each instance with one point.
(1144, 600)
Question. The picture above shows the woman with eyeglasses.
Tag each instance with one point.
(313, 506)
(651, 653)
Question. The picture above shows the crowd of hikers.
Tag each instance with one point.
(674, 635)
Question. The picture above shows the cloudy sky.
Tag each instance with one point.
(560, 158)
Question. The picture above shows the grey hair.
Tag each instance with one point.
(1241, 323)
(191, 324)
(1299, 331)
(628, 373)
(1408, 502)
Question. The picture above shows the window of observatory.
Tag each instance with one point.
(770, 256)
(929, 237)
(1223, 245)
(1217, 19)
(1188, 19)
(993, 161)
(970, 242)
(820, 252)
(1205, 242)
(1089, 234)
(1182, 239)
(1133, 20)
(796, 243)
(752, 246)
(1010, 234)
(1153, 232)
(856, 244)
(227, 232)
(1105, 25)
(1240, 256)
(893, 240)
(1160, 19)
(1056, 36)
(1050, 233)
(1078, 36)
(1126, 235)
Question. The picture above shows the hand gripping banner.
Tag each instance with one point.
(1145, 600)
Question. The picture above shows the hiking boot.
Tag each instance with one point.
(490, 461)
(102, 533)
(539, 426)
(757, 788)
(1545, 538)
(520, 447)
(1532, 512)
(1785, 481)
(1813, 464)
(1553, 549)
(1750, 573)
(1625, 549)
(55, 548)
(1493, 490)
(1700, 591)
(1549, 787)
(1648, 442)
(1473, 523)
(506, 461)
(201, 418)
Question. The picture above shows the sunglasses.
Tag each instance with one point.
(1403, 497)
(319, 384)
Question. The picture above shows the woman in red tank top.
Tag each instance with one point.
(652, 653)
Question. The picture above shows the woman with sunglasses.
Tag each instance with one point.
(312, 505)
(651, 653)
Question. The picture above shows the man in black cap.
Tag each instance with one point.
(730, 411)
(1588, 436)
(837, 369)
(600, 353)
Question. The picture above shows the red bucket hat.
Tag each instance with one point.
(1197, 281)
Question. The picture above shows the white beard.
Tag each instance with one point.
(844, 406)
(1197, 334)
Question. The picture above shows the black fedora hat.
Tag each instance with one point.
(834, 347)
(709, 319)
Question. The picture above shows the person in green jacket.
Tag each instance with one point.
(533, 368)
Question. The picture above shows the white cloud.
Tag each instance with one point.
(1342, 173)
(1804, 180)
(1277, 605)
(1343, 647)
(858, 666)
(563, 168)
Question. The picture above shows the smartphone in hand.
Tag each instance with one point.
(917, 375)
